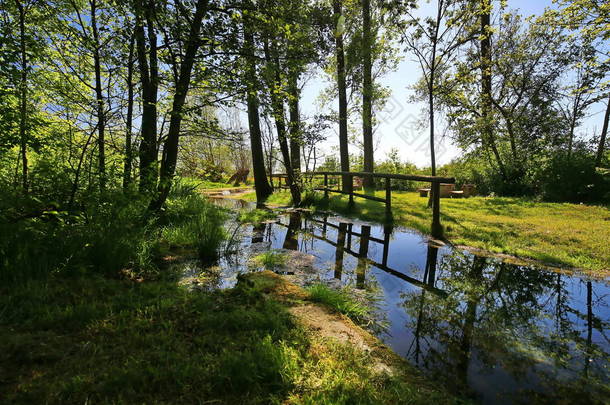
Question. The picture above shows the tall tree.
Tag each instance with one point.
(487, 137)
(296, 141)
(342, 89)
(367, 94)
(170, 147)
(602, 140)
(261, 183)
(99, 95)
(23, 93)
(128, 162)
(148, 64)
(435, 40)
(277, 110)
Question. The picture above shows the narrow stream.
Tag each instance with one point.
(496, 332)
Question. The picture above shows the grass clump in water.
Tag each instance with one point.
(196, 223)
(340, 300)
(270, 260)
(256, 216)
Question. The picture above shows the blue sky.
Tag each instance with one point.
(399, 128)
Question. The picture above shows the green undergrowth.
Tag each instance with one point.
(563, 234)
(106, 234)
(75, 340)
(342, 301)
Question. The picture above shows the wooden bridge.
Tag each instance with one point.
(435, 181)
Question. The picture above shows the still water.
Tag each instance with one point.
(495, 332)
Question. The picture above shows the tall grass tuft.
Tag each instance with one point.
(342, 301)
(195, 222)
(270, 260)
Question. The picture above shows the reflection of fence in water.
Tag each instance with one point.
(344, 245)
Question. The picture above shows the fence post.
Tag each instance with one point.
(388, 197)
(387, 233)
(437, 228)
(325, 185)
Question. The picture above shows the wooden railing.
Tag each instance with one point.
(435, 181)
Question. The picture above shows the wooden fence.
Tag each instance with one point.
(435, 181)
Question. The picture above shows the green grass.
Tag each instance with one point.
(202, 184)
(341, 301)
(97, 340)
(193, 222)
(270, 260)
(256, 216)
(555, 233)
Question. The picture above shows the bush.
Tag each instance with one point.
(195, 222)
(573, 179)
(556, 178)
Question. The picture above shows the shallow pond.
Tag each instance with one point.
(496, 332)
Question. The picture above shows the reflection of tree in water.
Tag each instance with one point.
(291, 242)
(503, 313)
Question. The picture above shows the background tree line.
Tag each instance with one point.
(99, 95)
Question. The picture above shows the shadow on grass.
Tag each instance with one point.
(106, 341)
(110, 341)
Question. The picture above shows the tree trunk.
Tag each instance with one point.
(346, 183)
(295, 124)
(263, 189)
(602, 139)
(431, 118)
(571, 136)
(367, 94)
(23, 100)
(170, 147)
(488, 135)
(149, 79)
(128, 164)
(277, 107)
(431, 88)
(99, 98)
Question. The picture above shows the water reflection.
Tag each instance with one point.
(290, 241)
(340, 250)
(508, 324)
(494, 331)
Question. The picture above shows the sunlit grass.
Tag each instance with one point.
(556, 233)
(255, 216)
(98, 340)
(341, 301)
(270, 260)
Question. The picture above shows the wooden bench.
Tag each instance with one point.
(457, 194)
(445, 190)
(423, 192)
